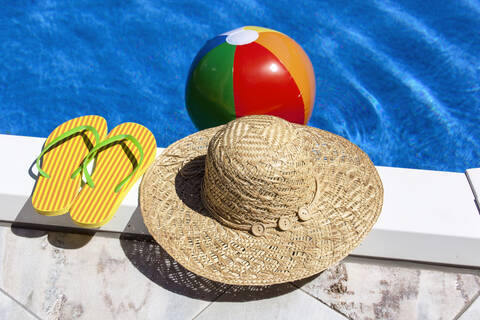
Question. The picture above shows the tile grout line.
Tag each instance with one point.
(21, 305)
(309, 294)
(208, 305)
(201, 311)
(467, 306)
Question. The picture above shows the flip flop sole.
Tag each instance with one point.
(95, 206)
(53, 196)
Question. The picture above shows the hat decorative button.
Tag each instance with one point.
(284, 223)
(258, 229)
(304, 214)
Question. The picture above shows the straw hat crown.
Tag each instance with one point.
(258, 174)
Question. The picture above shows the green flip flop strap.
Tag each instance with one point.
(95, 150)
(64, 135)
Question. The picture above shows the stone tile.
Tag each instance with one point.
(266, 303)
(68, 276)
(377, 289)
(473, 312)
(9, 309)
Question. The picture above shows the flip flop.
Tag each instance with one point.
(63, 152)
(122, 158)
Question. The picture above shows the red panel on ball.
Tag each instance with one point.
(262, 85)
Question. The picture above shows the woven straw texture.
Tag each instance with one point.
(284, 201)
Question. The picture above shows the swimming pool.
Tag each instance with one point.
(400, 80)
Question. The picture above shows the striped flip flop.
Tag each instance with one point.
(63, 152)
(122, 158)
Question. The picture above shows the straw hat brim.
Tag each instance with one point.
(170, 199)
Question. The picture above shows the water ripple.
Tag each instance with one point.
(421, 92)
(449, 51)
(400, 79)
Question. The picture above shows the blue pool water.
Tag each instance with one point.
(401, 80)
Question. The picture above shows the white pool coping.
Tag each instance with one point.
(428, 216)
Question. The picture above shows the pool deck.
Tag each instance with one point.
(51, 275)
(428, 216)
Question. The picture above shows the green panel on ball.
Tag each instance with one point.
(209, 92)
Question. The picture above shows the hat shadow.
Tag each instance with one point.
(148, 257)
(161, 268)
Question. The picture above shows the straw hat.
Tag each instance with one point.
(260, 201)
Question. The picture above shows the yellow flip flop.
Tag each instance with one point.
(63, 152)
(122, 158)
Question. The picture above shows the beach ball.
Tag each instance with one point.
(250, 71)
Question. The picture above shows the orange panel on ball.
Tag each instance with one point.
(296, 62)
